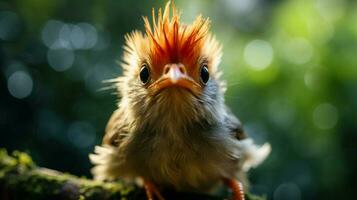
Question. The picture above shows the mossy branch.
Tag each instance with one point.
(20, 178)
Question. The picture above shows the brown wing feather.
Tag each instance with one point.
(115, 129)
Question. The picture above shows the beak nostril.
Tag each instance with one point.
(166, 69)
(182, 69)
(178, 67)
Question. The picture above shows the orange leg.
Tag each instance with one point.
(236, 187)
(151, 191)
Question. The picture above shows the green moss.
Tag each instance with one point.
(20, 178)
(23, 159)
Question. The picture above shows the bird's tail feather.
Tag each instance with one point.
(252, 155)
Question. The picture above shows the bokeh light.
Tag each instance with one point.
(90, 34)
(325, 116)
(77, 37)
(60, 59)
(50, 33)
(313, 80)
(58, 35)
(331, 10)
(20, 84)
(258, 54)
(298, 51)
(240, 7)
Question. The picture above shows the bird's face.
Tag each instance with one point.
(171, 64)
(175, 75)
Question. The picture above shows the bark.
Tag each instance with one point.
(20, 178)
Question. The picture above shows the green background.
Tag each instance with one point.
(291, 68)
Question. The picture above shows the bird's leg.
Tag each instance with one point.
(151, 191)
(236, 187)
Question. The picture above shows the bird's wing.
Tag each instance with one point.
(234, 125)
(106, 158)
(251, 154)
(116, 128)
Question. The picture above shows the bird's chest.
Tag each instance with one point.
(184, 159)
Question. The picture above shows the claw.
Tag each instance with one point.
(151, 191)
(236, 187)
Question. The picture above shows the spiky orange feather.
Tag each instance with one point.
(167, 40)
(171, 42)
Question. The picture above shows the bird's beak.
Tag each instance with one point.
(175, 75)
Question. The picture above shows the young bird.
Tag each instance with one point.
(172, 127)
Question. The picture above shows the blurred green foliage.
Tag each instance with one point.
(290, 66)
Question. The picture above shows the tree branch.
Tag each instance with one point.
(20, 178)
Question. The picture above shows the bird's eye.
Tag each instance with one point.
(144, 74)
(204, 74)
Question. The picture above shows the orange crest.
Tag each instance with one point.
(172, 42)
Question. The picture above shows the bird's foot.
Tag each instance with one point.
(236, 187)
(152, 190)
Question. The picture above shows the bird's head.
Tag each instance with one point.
(171, 63)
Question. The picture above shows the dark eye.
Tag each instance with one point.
(144, 74)
(204, 74)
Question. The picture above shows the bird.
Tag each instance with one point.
(172, 128)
